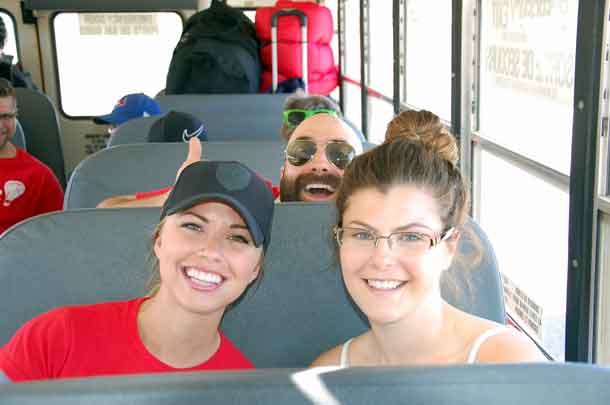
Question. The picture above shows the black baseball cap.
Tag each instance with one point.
(229, 182)
(177, 127)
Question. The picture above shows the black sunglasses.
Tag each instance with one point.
(301, 151)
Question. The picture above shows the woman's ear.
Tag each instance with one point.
(257, 269)
(157, 243)
(255, 273)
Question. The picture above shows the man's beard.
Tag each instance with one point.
(292, 189)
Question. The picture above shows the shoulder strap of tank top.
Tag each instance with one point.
(344, 362)
(474, 351)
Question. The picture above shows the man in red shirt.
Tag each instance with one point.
(27, 186)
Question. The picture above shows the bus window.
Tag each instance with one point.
(351, 70)
(103, 56)
(428, 56)
(603, 206)
(10, 46)
(333, 6)
(251, 14)
(381, 113)
(603, 353)
(527, 80)
(381, 109)
(526, 85)
(527, 222)
(246, 5)
(250, 3)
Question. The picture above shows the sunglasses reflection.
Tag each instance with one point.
(338, 153)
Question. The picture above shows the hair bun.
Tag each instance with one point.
(427, 128)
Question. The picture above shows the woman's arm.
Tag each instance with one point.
(156, 198)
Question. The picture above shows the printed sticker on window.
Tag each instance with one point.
(118, 24)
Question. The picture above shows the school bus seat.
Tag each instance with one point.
(39, 120)
(127, 169)
(298, 309)
(498, 384)
(133, 131)
(18, 137)
(232, 116)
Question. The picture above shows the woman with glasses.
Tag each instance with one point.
(208, 248)
(401, 208)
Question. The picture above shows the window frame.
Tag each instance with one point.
(579, 281)
(582, 269)
(15, 32)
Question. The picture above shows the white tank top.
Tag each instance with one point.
(472, 354)
(344, 362)
(474, 350)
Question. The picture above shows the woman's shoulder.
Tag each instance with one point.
(110, 308)
(505, 344)
(89, 313)
(330, 357)
(334, 356)
(492, 342)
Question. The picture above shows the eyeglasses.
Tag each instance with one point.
(301, 151)
(408, 243)
(8, 116)
(293, 117)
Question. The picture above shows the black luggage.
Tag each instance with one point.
(14, 74)
(217, 53)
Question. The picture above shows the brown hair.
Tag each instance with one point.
(426, 127)
(420, 151)
(155, 277)
(7, 90)
(304, 101)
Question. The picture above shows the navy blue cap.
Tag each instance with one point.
(229, 182)
(177, 127)
(129, 107)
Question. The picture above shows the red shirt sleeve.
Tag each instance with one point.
(51, 197)
(276, 191)
(39, 348)
(147, 194)
(153, 193)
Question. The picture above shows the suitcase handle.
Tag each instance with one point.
(289, 11)
(304, 62)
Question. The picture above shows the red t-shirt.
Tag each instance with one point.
(27, 188)
(93, 340)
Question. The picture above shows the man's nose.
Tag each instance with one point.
(319, 162)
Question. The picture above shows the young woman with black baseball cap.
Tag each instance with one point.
(208, 248)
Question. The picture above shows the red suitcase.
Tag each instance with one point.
(322, 73)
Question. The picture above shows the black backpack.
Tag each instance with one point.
(14, 74)
(217, 53)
